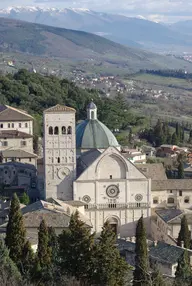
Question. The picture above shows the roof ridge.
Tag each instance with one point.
(59, 107)
(19, 110)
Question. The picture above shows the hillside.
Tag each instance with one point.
(36, 39)
(124, 30)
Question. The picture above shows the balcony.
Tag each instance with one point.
(117, 206)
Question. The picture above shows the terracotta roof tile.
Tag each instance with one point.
(59, 108)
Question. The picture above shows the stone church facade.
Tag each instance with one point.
(111, 187)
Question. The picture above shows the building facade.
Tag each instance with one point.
(59, 152)
(112, 188)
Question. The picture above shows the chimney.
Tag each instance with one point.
(127, 239)
(118, 236)
(133, 239)
(155, 242)
(182, 244)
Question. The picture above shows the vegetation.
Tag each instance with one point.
(141, 272)
(161, 134)
(34, 93)
(183, 274)
(24, 199)
(15, 233)
(184, 233)
(110, 268)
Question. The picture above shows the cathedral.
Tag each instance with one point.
(83, 163)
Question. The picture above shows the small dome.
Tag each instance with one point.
(91, 105)
(94, 134)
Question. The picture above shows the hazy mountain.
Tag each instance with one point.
(136, 32)
(184, 27)
(36, 39)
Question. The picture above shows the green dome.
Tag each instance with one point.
(94, 134)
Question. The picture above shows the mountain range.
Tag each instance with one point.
(47, 41)
(135, 32)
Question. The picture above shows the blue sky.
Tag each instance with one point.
(165, 10)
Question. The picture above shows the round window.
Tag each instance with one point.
(112, 191)
(138, 197)
(86, 199)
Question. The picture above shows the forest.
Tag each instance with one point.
(34, 93)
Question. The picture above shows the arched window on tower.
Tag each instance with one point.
(56, 130)
(58, 160)
(50, 130)
(92, 115)
(69, 130)
(63, 130)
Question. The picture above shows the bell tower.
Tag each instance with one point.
(59, 152)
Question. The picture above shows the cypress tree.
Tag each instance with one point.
(43, 251)
(184, 233)
(183, 274)
(109, 267)
(15, 233)
(174, 139)
(157, 277)
(141, 272)
(180, 170)
(25, 199)
(75, 249)
(8, 269)
(53, 244)
(27, 260)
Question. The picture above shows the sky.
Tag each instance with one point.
(155, 10)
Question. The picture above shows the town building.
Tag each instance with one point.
(112, 187)
(164, 255)
(15, 119)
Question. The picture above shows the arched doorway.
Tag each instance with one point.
(113, 221)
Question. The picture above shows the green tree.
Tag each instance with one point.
(75, 249)
(15, 233)
(53, 244)
(9, 273)
(24, 199)
(157, 277)
(28, 259)
(43, 250)
(141, 272)
(130, 136)
(109, 268)
(159, 134)
(174, 139)
(183, 274)
(184, 233)
(181, 170)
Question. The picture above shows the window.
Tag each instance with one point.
(29, 159)
(112, 206)
(19, 125)
(69, 130)
(138, 205)
(12, 125)
(180, 193)
(26, 125)
(111, 177)
(171, 191)
(58, 160)
(50, 130)
(170, 201)
(23, 143)
(1, 125)
(186, 200)
(155, 201)
(9, 125)
(63, 130)
(92, 114)
(56, 130)
(4, 143)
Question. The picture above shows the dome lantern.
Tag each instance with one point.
(92, 111)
